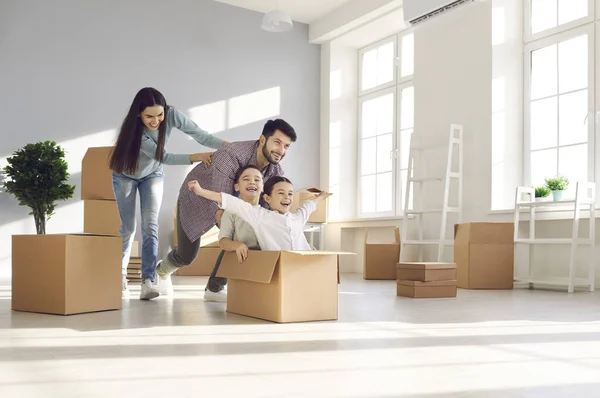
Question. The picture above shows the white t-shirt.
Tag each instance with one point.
(274, 231)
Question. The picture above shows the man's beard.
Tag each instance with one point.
(267, 155)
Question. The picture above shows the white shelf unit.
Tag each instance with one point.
(455, 140)
(585, 199)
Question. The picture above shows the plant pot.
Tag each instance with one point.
(557, 195)
(544, 199)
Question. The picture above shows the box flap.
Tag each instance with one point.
(316, 252)
(396, 234)
(426, 266)
(258, 267)
(491, 233)
(426, 284)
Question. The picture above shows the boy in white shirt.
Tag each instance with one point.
(276, 229)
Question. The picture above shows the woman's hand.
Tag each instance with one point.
(204, 157)
(242, 252)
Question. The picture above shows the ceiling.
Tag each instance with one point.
(304, 11)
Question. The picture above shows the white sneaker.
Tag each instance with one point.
(149, 291)
(124, 289)
(165, 286)
(220, 297)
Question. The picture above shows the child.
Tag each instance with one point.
(235, 234)
(275, 229)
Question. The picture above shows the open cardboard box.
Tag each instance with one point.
(319, 216)
(381, 258)
(283, 286)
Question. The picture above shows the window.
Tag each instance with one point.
(560, 91)
(386, 121)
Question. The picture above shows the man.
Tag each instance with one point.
(196, 215)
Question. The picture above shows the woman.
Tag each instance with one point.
(137, 164)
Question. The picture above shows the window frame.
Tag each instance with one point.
(529, 48)
(530, 37)
(362, 51)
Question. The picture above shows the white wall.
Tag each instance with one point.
(69, 71)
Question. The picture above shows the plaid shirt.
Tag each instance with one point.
(197, 214)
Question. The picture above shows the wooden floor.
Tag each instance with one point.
(517, 343)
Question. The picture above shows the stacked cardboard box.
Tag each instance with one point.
(426, 280)
(74, 273)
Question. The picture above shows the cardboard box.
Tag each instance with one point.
(426, 272)
(96, 175)
(204, 263)
(101, 217)
(484, 255)
(320, 214)
(283, 286)
(381, 258)
(417, 289)
(66, 274)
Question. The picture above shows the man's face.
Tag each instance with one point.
(275, 147)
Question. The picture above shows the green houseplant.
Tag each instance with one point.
(557, 185)
(37, 176)
(541, 193)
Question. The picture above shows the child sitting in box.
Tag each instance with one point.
(276, 229)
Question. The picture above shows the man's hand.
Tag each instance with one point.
(218, 216)
(242, 251)
(205, 157)
(322, 196)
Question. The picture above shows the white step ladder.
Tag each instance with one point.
(455, 138)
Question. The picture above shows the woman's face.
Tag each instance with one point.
(250, 185)
(153, 116)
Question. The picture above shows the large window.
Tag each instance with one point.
(559, 95)
(386, 117)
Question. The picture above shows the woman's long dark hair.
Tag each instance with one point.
(126, 153)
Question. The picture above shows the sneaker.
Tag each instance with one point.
(219, 297)
(124, 289)
(149, 291)
(165, 286)
(165, 269)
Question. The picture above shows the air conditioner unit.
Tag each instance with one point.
(417, 11)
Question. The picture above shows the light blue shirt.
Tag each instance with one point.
(174, 118)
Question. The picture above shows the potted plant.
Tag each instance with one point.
(37, 176)
(541, 193)
(557, 185)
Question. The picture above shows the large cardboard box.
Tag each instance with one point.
(319, 216)
(381, 258)
(435, 289)
(96, 175)
(426, 272)
(101, 217)
(285, 286)
(66, 274)
(484, 255)
(204, 263)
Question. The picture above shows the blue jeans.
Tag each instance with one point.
(151, 193)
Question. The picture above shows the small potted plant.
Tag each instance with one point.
(542, 193)
(37, 176)
(558, 185)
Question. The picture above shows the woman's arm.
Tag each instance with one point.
(185, 124)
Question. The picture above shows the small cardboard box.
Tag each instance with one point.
(381, 258)
(66, 273)
(426, 272)
(204, 263)
(101, 217)
(319, 216)
(96, 175)
(435, 289)
(484, 255)
(283, 286)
